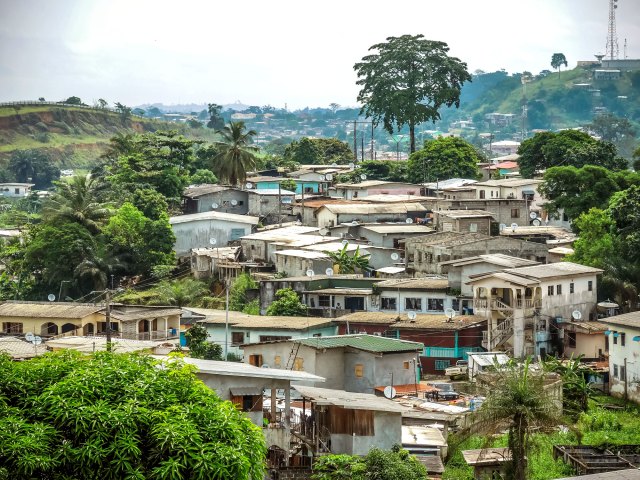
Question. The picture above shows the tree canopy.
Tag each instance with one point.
(557, 60)
(321, 151)
(236, 154)
(443, 158)
(287, 304)
(406, 80)
(117, 416)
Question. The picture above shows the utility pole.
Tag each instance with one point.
(226, 322)
(372, 155)
(108, 317)
(355, 142)
(362, 147)
(279, 205)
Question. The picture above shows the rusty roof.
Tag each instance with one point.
(422, 321)
(48, 309)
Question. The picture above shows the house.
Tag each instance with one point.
(428, 294)
(500, 169)
(238, 330)
(423, 255)
(273, 183)
(261, 246)
(296, 263)
(552, 236)
(445, 339)
(623, 340)
(48, 319)
(355, 363)
(488, 463)
(246, 385)
(503, 211)
(200, 230)
(352, 191)
(272, 205)
(218, 198)
(463, 221)
(435, 188)
(500, 119)
(523, 303)
(342, 422)
(15, 190)
(584, 338)
(206, 262)
(520, 188)
(389, 234)
(505, 147)
(331, 215)
(305, 210)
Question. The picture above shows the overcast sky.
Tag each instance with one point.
(273, 52)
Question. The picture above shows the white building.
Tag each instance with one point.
(420, 295)
(352, 191)
(623, 341)
(15, 190)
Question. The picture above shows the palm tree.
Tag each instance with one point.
(349, 263)
(97, 269)
(22, 165)
(236, 155)
(78, 201)
(180, 292)
(518, 402)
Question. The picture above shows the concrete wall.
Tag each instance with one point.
(268, 207)
(588, 345)
(224, 199)
(564, 304)
(377, 370)
(298, 266)
(197, 233)
(401, 295)
(617, 355)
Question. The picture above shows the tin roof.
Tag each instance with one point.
(414, 284)
(375, 208)
(388, 228)
(631, 319)
(220, 216)
(348, 400)
(48, 309)
(280, 234)
(367, 343)
(464, 213)
(425, 321)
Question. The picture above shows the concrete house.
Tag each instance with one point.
(503, 210)
(261, 246)
(584, 338)
(623, 339)
(389, 234)
(197, 230)
(218, 198)
(15, 190)
(429, 295)
(522, 303)
(270, 204)
(352, 191)
(332, 215)
(296, 263)
(425, 254)
(516, 188)
(355, 363)
(273, 183)
(463, 221)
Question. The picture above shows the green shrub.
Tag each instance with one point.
(599, 419)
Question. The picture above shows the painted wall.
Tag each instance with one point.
(197, 234)
(401, 295)
(298, 266)
(588, 345)
(315, 187)
(387, 429)
(617, 355)
(223, 200)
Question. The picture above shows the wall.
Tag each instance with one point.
(402, 295)
(223, 199)
(587, 345)
(387, 428)
(197, 233)
(563, 305)
(298, 266)
(270, 206)
(617, 356)
(376, 370)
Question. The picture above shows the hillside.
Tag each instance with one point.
(73, 136)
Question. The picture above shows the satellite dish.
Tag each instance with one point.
(576, 314)
(395, 256)
(503, 226)
(329, 272)
(265, 365)
(514, 226)
(536, 222)
(214, 205)
(533, 215)
(213, 241)
(310, 273)
(408, 220)
(51, 297)
(390, 392)
(36, 340)
(450, 313)
(329, 177)
(324, 231)
(354, 223)
(249, 185)
(363, 177)
(352, 165)
(345, 242)
(412, 315)
(29, 336)
(234, 202)
(334, 164)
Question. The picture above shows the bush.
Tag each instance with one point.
(599, 419)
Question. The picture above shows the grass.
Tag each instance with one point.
(598, 427)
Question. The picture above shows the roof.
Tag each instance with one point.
(449, 239)
(317, 203)
(487, 359)
(486, 456)
(414, 284)
(391, 270)
(631, 319)
(258, 322)
(237, 369)
(561, 250)
(373, 208)
(387, 228)
(99, 343)
(47, 309)
(369, 183)
(551, 270)
(348, 400)
(533, 230)
(126, 313)
(505, 158)
(271, 191)
(18, 349)
(464, 213)
(303, 254)
(450, 183)
(627, 474)
(393, 198)
(586, 327)
(336, 247)
(367, 343)
(341, 291)
(509, 182)
(220, 216)
(422, 436)
(280, 234)
(425, 321)
(195, 191)
(494, 259)
(224, 253)
(264, 178)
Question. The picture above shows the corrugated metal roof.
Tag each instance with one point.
(303, 254)
(90, 344)
(195, 191)
(280, 234)
(551, 270)
(464, 213)
(47, 310)
(422, 321)
(272, 192)
(486, 456)
(336, 247)
(375, 208)
(414, 284)
(450, 183)
(415, 436)
(222, 216)
(367, 183)
(509, 182)
(348, 400)
(394, 198)
(341, 291)
(368, 343)
(131, 313)
(631, 319)
(391, 270)
(258, 322)
(494, 259)
(397, 228)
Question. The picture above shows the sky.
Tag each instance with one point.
(281, 52)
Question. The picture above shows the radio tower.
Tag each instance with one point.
(612, 36)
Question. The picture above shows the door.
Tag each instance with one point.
(354, 303)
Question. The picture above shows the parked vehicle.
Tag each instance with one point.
(446, 391)
(460, 369)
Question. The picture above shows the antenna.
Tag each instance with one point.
(395, 256)
(234, 202)
(345, 242)
(390, 392)
(329, 177)
(612, 36)
(213, 241)
(363, 177)
(450, 313)
(412, 315)
(249, 185)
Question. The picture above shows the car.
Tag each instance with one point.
(460, 369)
(446, 391)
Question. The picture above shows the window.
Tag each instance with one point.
(473, 227)
(17, 191)
(455, 304)
(558, 289)
(387, 303)
(237, 233)
(482, 194)
(590, 285)
(615, 371)
(571, 339)
(515, 213)
(359, 370)
(550, 290)
(298, 364)
(622, 339)
(240, 202)
(623, 373)
(442, 364)
(572, 287)
(615, 338)
(405, 365)
(12, 327)
(324, 300)
(413, 304)
(255, 360)
(273, 338)
(237, 338)
(491, 193)
(435, 304)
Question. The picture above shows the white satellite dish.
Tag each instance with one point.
(576, 314)
(536, 222)
(29, 336)
(503, 226)
(324, 231)
(329, 272)
(352, 165)
(265, 365)
(533, 215)
(390, 392)
(36, 340)
(213, 241)
(234, 202)
(412, 315)
(450, 313)
(214, 205)
(363, 177)
(334, 164)
(249, 185)
(395, 256)
(310, 273)
(51, 297)
(329, 177)
(345, 242)
(408, 220)
(514, 226)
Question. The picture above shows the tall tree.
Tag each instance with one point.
(236, 156)
(557, 60)
(287, 304)
(407, 80)
(443, 158)
(216, 121)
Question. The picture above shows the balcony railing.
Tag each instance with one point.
(497, 304)
(443, 352)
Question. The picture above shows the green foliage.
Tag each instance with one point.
(557, 60)
(567, 148)
(73, 101)
(238, 291)
(407, 80)
(599, 419)
(198, 345)
(33, 166)
(349, 263)
(236, 156)
(322, 151)
(202, 176)
(120, 416)
(252, 308)
(181, 293)
(288, 184)
(152, 204)
(287, 304)
(576, 390)
(216, 121)
(305, 151)
(443, 158)
(388, 170)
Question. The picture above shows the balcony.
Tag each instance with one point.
(498, 304)
(443, 352)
